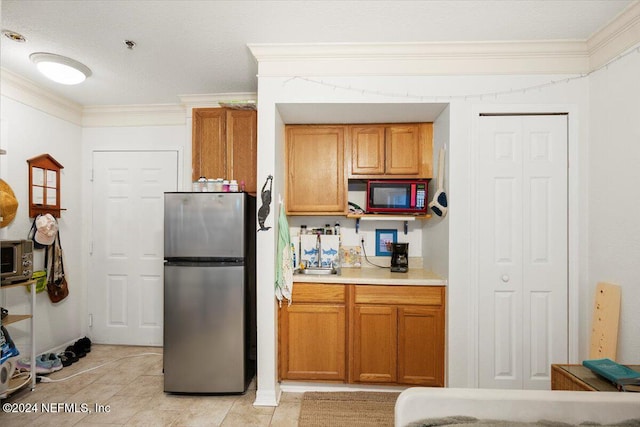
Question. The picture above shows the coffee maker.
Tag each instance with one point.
(399, 257)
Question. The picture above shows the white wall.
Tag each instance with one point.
(464, 104)
(435, 243)
(126, 138)
(270, 151)
(26, 133)
(614, 198)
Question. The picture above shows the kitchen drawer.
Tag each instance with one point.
(318, 292)
(407, 295)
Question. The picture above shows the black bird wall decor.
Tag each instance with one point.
(264, 210)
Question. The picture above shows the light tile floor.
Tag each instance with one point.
(132, 390)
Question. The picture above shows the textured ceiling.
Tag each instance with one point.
(200, 47)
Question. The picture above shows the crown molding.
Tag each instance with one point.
(357, 59)
(453, 58)
(449, 58)
(618, 36)
(213, 100)
(26, 92)
(133, 115)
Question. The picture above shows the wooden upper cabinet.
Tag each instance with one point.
(242, 148)
(367, 150)
(391, 151)
(225, 145)
(316, 173)
(403, 150)
(209, 148)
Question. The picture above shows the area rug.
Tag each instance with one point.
(347, 409)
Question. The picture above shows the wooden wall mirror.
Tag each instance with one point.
(44, 186)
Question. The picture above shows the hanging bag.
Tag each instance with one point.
(57, 283)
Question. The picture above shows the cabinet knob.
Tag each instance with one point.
(505, 278)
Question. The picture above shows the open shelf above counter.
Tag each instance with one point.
(386, 217)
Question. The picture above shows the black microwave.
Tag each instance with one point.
(407, 196)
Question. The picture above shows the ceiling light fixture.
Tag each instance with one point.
(60, 69)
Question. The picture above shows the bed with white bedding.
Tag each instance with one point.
(416, 404)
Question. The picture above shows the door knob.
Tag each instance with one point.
(505, 278)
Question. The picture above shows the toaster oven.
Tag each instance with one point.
(16, 261)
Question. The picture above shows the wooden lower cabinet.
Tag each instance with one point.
(397, 345)
(388, 334)
(312, 333)
(374, 355)
(421, 346)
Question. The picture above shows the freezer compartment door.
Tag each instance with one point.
(204, 329)
(205, 225)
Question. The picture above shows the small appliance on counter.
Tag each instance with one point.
(399, 257)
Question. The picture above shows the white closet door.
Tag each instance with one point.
(522, 250)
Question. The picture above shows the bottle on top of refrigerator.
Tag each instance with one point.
(225, 185)
(233, 185)
(202, 181)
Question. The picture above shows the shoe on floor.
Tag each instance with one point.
(44, 365)
(56, 363)
(85, 343)
(77, 350)
(67, 358)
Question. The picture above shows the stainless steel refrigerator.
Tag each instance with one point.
(209, 292)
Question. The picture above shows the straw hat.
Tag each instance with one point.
(8, 204)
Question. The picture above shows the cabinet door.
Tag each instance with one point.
(367, 150)
(316, 176)
(421, 346)
(312, 342)
(242, 147)
(209, 147)
(403, 150)
(374, 353)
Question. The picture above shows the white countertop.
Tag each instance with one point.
(376, 276)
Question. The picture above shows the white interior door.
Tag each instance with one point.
(125, 289)
(522, 250)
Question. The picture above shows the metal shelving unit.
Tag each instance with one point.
(13, 318)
